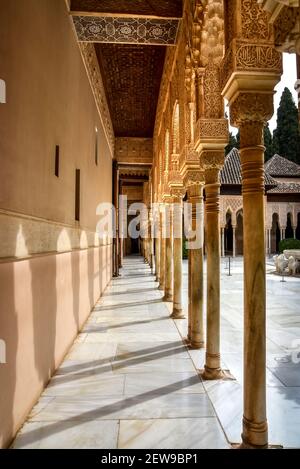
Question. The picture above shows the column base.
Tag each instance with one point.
(168, 298)
(186, 341)
(157, 279)
(161, 288)
(255, 435)
(194, 345)
(212, 374)
(177, 314)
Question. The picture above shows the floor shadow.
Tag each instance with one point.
(119, 326)
(128, 292)
(53, 428)
(127, 305)
(104, 365)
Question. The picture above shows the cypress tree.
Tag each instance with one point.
(286, 138)
(232, 144)
(268, 142)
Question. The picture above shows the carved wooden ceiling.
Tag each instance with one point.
(129, 38)
(164, 8)
(131, 76)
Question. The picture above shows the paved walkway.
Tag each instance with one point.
(128, 381)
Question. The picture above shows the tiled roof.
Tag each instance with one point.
(231, 171)
(286, 188)
(279, 166)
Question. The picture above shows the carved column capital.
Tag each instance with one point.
(177, 194)
(194, 178)
(249, 107)
(212, 159)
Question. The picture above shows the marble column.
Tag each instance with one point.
(295, 233)
(162, 249)
(168, 297)
(151, 243)
(270, 241)
(212, 368)
(157, 253)
(223, 242)
(255, 429)
(116, 183)
(196, 329)
(189, 334)
(234, 241)
(266, 241)
(177, 312)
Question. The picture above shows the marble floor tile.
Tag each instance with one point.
(143, 349)
(202, 433)
(92, 351)
(65, 435)
(288, 375)
(88, 386)
(184, 382)
(151, 365)
(166, 405)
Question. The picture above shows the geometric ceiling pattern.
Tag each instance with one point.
(163, 8)
(131, 76)
(126, 30)
(130, 39)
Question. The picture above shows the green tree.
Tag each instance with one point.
(286, 138)
(268, 142)
(232, 144)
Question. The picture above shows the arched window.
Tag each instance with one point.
(289, 233)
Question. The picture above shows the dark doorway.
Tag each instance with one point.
(239, 234)
(275, 233)
(298, 227)
(228, 235)
(289, 233)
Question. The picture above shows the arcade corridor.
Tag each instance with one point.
(128, 381)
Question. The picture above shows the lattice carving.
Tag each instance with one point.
(93, 71)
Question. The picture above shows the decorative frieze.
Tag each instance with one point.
(134, 150)
(92, 67)
(126, 30)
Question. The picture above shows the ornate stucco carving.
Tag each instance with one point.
(251, 107)
(285, 17)
(249, 49)
(126, 30)
(92, 67)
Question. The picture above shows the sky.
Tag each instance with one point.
(288, 80)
